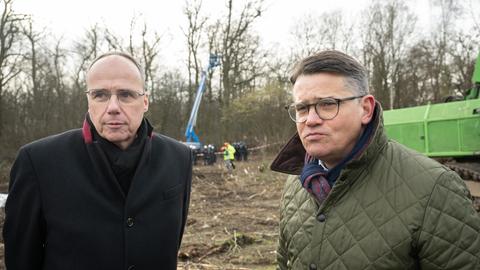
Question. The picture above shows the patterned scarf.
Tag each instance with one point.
(314, 178)
(318, 180)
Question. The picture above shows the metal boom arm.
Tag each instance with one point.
(190, 133)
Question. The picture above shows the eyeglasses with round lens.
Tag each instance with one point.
(124, 96)
(326, 108)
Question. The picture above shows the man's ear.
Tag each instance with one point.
(368, 106)
(145, 102)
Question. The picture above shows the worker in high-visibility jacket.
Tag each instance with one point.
(228, 155)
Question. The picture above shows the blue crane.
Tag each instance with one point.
(190, 135)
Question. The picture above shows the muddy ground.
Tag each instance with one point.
(233, 219)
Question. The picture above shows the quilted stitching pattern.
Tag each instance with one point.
(401, 204)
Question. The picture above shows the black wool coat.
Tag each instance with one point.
(66, 210)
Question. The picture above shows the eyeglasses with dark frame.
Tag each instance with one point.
(325, 108)
(124, 96)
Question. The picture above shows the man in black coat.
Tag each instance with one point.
(112, 195)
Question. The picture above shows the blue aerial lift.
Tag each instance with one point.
(191, 137)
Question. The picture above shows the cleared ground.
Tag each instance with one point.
(233, 221)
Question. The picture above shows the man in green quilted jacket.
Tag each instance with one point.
(356, 200)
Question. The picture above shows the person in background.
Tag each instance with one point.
(243, 151)
(355, 199)
(111, 195)
(209, 157)
(229, 156)
(238, 156)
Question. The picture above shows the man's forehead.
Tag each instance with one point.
(114, 66)
(316, 93)
(312, 96)
(108, 61)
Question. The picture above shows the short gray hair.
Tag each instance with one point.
(335, 62)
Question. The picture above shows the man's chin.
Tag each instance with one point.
(317, 151)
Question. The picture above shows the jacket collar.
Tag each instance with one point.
(291, 158)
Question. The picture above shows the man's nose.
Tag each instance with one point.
(113, 104)
(312, 116)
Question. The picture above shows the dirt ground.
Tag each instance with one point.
(233, 218)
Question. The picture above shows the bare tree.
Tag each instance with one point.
(131, 36)
(328, 30)
(236, 45)
(193, 34)
(57, 58)
(33, 38)
(463, 56)
(305, 37)
(144, 45)
(387, 31)
(34, 100)
(86, 50)
(150, 50)
(168, 108)
(440, 75)
(10, 51)
(113, 41)
(472, 7)
(213, 45)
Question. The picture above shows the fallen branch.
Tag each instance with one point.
(256, 194)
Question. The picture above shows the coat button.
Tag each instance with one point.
(313, 266)
(321, 218)
(130, 222)
(131, 267)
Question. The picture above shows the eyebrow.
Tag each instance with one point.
(312, 100)
(103, 89)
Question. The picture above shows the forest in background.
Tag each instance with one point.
(42, 78)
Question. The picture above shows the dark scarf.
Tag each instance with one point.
(318, 180)
(123, 162)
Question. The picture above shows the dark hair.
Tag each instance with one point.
(124, 55)
(334, 62)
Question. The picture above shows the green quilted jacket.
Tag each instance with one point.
(392, 208)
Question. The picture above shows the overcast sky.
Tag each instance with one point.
(72, 18)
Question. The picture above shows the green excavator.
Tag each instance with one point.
(448, 132)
